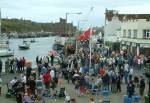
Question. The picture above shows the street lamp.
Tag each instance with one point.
(78, 13)
(78, 28)
(84, 20)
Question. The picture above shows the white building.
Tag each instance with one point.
(111, 31)
(136, 36)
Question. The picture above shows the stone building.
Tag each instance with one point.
(60, 28)
(132, 31)
(136, 36)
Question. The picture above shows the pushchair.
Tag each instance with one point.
(61, 93)
(10, 91)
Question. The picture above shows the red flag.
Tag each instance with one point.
(84, 35)
(80, 37)
(87, 33)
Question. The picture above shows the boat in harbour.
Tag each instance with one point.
(58, 45)
(32, 40)
(25, 41)
(24, 46)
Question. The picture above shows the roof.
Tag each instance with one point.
(110, 13)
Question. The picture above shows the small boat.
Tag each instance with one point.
(6, 53)
(32, 40)
(58, 46)
(24, 46)
(25, 41)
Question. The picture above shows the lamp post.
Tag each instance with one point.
(78, 13)
(78, 31)
(84, 20)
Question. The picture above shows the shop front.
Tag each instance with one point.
(145, 49)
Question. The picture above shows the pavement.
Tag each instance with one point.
(114, 98)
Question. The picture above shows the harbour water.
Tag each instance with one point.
(40, 47)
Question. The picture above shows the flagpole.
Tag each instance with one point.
(90, 64)
(76, 37)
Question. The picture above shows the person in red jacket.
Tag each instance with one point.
(101, 72)
(22, 64)
(46, 80)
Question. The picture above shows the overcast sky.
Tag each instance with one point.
(52, 10)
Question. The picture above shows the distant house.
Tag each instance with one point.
(110, 13)
(130, 31)
(111, 35)
(136, 36)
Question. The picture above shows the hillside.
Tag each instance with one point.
(25, 26)
(12, 25)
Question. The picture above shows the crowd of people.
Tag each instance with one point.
(107, 71)
(102, 70)
(13, 65)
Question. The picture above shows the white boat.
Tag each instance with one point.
(4, 44)
(25, 41)
(32, 40)
(24, 46)
(58, 45)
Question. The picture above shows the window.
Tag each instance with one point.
(134, 33)
(146, 34)
(124, 33)
(129, 34)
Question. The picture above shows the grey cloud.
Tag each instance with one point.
(52, 10)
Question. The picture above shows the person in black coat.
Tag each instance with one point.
(28, 72)
(37, 60)
(18, 90)
(106, 80)
(1, 65)
(130, 89)
(142, 87)
(32, 85)
(52, 59)
(118, 83)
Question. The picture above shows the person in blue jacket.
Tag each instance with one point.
(130, 89)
